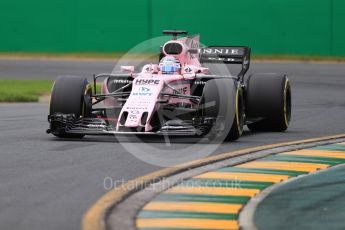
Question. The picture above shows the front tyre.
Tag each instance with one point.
(238, 123)
(222, 99)
(71, 95)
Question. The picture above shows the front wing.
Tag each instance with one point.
(69, 124)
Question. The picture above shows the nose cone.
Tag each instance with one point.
(141, 103)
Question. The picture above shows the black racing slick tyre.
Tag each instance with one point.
(71, 95)
(223, 99)
(268, 98)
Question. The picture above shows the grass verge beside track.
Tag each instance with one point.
(298, 58)
(23, 90)
(26, 90)
(76, 55)
(101, 56)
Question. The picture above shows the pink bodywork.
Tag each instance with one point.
(150, 82)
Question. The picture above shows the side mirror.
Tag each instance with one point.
(126, 68)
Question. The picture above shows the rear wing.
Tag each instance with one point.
(227, 55)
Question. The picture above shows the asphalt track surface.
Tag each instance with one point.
(48, 183)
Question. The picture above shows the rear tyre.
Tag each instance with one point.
(222, 99)
(269, 98)
(71, 95)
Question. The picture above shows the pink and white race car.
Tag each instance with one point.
(179, 96)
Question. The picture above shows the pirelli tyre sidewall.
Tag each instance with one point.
(237, 126)
(268, 98)
(222, 99)
(71, 95)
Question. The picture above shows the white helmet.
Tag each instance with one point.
(170, 64)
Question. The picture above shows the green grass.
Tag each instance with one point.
(117, 55)
(76, 55)
(285, 57)
(23, 90)
(27, 90)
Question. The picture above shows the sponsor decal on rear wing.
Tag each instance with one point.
(225, 54)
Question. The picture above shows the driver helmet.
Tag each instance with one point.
(169, 65)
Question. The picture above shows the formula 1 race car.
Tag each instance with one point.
(179, 96)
